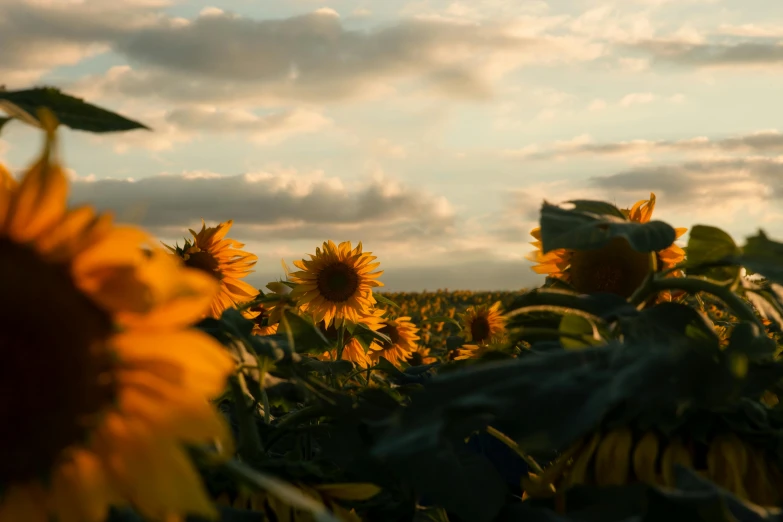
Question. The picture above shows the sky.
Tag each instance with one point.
(431, 130)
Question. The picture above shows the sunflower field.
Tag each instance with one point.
(148, 382)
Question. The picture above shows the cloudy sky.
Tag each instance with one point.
(431, 130)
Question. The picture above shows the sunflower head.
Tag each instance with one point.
(614, 268)
(261, 315)
(336, 283)
(210, 252)
(421, 356)
(131, 378)
(403, 335)
(483, 324)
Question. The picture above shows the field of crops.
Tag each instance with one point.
(641, 382)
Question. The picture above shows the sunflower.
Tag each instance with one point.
(483, 324)
(420, 356)
(622, 456)
(97, 402)
(262, 319)
(221, 258)
(403, 334)
(336, 283)
(353, 350)
(615, 268)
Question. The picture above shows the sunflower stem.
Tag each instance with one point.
(249, 439)
(340, 341)
(692, 285)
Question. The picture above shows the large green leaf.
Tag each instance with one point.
(578, 230)
(70, 111)
(764, 256)
(708, 246)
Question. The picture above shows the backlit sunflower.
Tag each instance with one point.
(483, 324)
(102, 379)
(211, 252)
(336, 283)
(615, 268)
(403, 334)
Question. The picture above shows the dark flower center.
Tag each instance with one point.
(415, 359)
(205, 262)
(337, 282)
(392, 332)
(616, 268)
(56, 373)
(479, 329)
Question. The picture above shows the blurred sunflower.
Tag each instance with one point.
(615, 268)
(420, 357)
(469, 351)
(403, 334)
(483, 324)
(329, 495)
(96, 403)
(336, 283)
(621, 456)
(221, 258)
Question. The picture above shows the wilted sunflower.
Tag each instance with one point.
(102, 380)
(336, 283)
(483, 324)
(620, 456)
(221, 258)
(615, 268)
(403, 334)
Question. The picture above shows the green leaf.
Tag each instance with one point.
(597, 207)
(284, 491)
(750, 341)
(385, 366)
(575, 230)
(367, 335)
(340, 367)
(761, 254)
(70, 111)
(579, 325)
(708, 245)
(385, 300)
(307, 337)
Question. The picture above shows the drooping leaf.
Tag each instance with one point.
(307, 337)
(575, 230)
(70, 111)
(577, 325)
(384, 300)
(597, 207)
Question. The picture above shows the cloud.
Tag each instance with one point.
(272, 127)
(705, 54)
(764, 142)
(36, 37)
(637, 98)
(278, 204)
(716, 183)
(315, 58)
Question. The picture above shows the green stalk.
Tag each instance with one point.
(249, 439)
